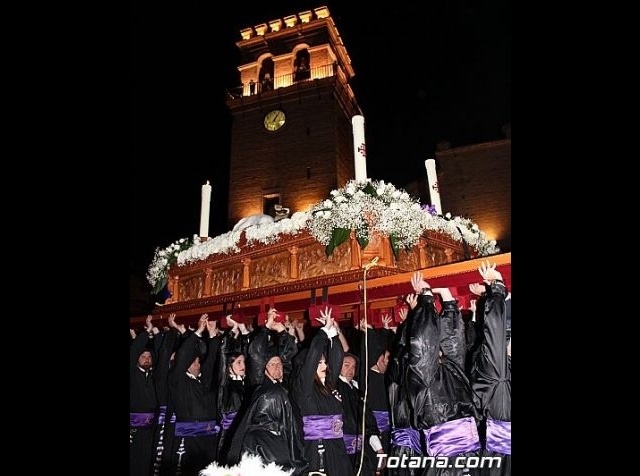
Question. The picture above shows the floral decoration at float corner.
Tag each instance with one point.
(369, 207)
(162, 260)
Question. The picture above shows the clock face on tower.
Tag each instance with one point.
(274, 120)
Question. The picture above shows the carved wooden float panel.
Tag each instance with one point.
(383, 285)
(300, 262)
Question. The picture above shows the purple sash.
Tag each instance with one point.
(382, 419)
(141, 420)
(407, 437)
(322, 427)
(452, 437)
(227, 419)
(196, 428)
(163, 414)
(353, 443)
(499, 436)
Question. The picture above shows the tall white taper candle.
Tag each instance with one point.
(204, 210)
(359, 148)
(434, 193)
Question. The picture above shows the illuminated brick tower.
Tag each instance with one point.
(291, 135)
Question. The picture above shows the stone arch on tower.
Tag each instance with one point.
(301, 62)
(266, 72)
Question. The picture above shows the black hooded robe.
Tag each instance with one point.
(312, 401)
(491, 371)
(142, 400)
(194, 401)
(231, 394)
(405, 439)
(268, 426)
(437, 386)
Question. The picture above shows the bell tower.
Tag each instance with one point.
(291, 133)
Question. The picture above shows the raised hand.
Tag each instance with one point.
(488, 272)
(476, 288)
(403, 312)
(386, 320)
(418, 282)
(171, 320)
(325, 317)
(362, 327)
(202, 323)
(412, 300)
(291, 329)
(271, 315)
(230, 321)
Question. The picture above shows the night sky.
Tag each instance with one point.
(425, 72)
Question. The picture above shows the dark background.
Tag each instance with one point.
(426, 72)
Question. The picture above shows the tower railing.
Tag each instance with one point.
(283, 81)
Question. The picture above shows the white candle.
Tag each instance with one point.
(359, 148)
(434, 193)
(204, 210)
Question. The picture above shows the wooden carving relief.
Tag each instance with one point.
(435, 256)
(269, 270)
(226, 280)
(190, 287)
(313, 261)
(409, 259)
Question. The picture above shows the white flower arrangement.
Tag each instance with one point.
(368, 207)
(364, 206)
(250, 465)
(162, 259)
(463, 228)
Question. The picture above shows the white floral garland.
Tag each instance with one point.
(250, 465)
(361, 206)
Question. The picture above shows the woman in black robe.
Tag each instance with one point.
(442, 399)
(231, 389)
(491, 372)
(320, 404)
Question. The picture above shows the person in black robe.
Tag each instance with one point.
(165, 344)
(320, 404)
(352, 414)
(444, 404)
(405, 439)
(192, 394)
(172, 339)
(268, 427)
(491, 372)
(143, 403)
(373, 382)
(231, 388)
